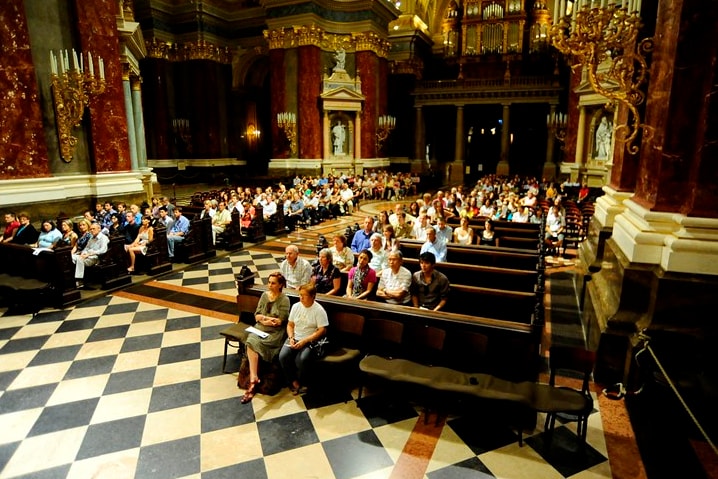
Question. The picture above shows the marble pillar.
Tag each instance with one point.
(502, 168)
(549, 167)
(97, 31)
(309, 83)
(280, 148)
(131, 130)
(23, 151)
(367, 65)
(138, 119)
(455, 173)
(420, 154)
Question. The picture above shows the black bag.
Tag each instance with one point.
(320, 348)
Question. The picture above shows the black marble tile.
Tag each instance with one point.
(112, 436)
(152, 315)
(193, 281)
(7, 377)
(170, 460)
(7, 333)
(189, 322)
(141, 343)
(100, 301)
(52, 473)
(26, 398)
(213, 366)
(77, 325)
(198, 267)
(221, 285)
(225, 413)
(286, 433)
(64, 416)
(471, 468)
(212, 332)
(174, 396)
(267, 267)
(367, 455)
(90, 367)
(113, 332)
(218, 271)
(254, 469)
(483, 433)
(24, 344)
(6, 452)
(175, 354)
(565, 452)
(55, 355)
(130, 380)
(326, 396)
(50, 316)
(130, 307)
(381, 410)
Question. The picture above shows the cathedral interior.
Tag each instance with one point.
(131, 98)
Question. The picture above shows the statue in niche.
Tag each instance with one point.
(340, 135)
(603, 139)
(341, 57)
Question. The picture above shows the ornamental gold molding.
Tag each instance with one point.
(180, 52)
(300, 35)
(414, 66)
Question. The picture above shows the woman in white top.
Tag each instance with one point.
(342, 257)
(464, 234)
(308, 322)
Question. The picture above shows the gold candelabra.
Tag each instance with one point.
(288, 123)
(386, 124)
(594, 31)
(557, 122)
(72, 87)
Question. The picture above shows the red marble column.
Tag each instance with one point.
(276, 85)
(368, 70)
(568, 153)
(383, 87)
(97, 27)
(677, 170)
(23, 151)
(309, 120)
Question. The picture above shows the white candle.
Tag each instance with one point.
(555, 11)
(52, 64)
(638, 7)
(89, 63)
(562, 9)
(75, 63)
(102, 69)
(82, 66)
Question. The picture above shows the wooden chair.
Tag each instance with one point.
(382, 338)
(572, 360)
(345, 348)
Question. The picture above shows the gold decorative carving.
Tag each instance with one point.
(592, 35)
(180, 52)
(72, 87)
(301, 35)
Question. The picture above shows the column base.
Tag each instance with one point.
(502, 168)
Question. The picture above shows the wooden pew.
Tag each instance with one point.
(35, 280)
(231, 238)
(197, 246)
(484, 276)
(255, 233)
(512, 348)
(156, 260)
(111, 268)
(499, 257)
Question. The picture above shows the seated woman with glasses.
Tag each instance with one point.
(271, 317)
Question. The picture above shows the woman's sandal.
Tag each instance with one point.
(249, 393)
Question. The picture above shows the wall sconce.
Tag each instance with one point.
(557, 123)
(252, 134)
(72, 86)
(181, 128)
(386, 124)
(288, 123)
(593, 31)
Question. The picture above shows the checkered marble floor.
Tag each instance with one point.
(128, 385)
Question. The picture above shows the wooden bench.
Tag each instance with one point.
(231, 238)
(33, 281)
(512, 348)
(484, 276)
(111, 268)
(499, 257)
(156, 260)
(255, 232)
(506, 305)
(197, 245)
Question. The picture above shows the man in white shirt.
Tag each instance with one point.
(395, 281)
(221, 219)
(434, 245)
(297, 271)
(444, 232)
(378, 260)
(270, 208)
(347, 196)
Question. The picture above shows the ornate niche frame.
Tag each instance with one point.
(602, 137)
